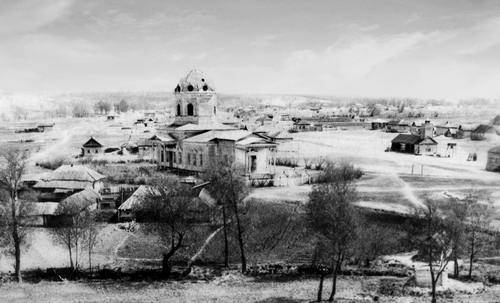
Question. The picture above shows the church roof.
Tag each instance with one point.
(204, 126)
(194, 81)
(232, 135)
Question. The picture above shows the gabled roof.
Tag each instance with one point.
(406, 139)
(92, 143)
(428, 141)
(253, 140)
(232, 135)
(163, 138)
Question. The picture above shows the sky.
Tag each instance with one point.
(385, 48)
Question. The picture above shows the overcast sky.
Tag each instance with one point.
(441, 49)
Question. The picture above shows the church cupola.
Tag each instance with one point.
(196, 101)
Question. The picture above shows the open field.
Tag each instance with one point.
(230, 288)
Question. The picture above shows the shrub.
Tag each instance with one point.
(52, 163)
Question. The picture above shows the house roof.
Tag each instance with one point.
(84, 198)
(70, 176)
(92, 143)
(406, 139)
(428, 141)
(232, 135)
(138, 197)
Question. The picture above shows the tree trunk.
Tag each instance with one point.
(15, 237)
(226, 245)
(471, 257)
(166, 266)
(90, 261)
(336, 270)
(17, 245)
(70, 258)
(433, 300)
(320, 289)
(240, 240)
(455, 267)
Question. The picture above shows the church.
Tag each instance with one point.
(196, 138)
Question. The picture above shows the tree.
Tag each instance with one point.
(434, 241)
(11, 172)
(166, 210)
(458, 213)
(102, 107)
(122, 107)
(332, 217)
(478, 228)
(80, 110)
(75, 230)
(229, 189)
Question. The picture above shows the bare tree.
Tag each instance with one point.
(434, 241)
(478, 227)
(167, 211)
(76, 227)
(229, 189)
(13, 166)
(332, 217)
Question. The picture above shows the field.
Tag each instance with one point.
(227, 288)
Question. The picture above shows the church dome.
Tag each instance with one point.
(194, 81)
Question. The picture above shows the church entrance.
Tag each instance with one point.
(253, 163)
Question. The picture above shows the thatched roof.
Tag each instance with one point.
(138, 197)
(84, 198)
(70, 176)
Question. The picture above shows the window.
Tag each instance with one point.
(180, 158)
(178, 109)
(226, 158)
(189, 159)
(88, 151)
(96, 151)
(201, 159)
(190, 109)
(215, 110)
(190, 88)
(205, 87)
(194, 159)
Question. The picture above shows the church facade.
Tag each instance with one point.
(196, 138)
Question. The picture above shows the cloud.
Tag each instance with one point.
(347, 60)
(480, 37)
(28, 15)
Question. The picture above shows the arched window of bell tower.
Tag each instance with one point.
(178, 109)
(215, 110)
(190, 109)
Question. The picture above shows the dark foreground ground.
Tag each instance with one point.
(228, 288)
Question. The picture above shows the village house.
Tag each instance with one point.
(92, 148)
(67, 180)
(196, 138)
(483, 132)
(419, 143)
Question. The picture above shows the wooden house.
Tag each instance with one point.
(92, 148)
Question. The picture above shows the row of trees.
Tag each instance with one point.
(441, 233)
(104, 107)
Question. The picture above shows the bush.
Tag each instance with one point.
(52, 164)
(287, 161)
